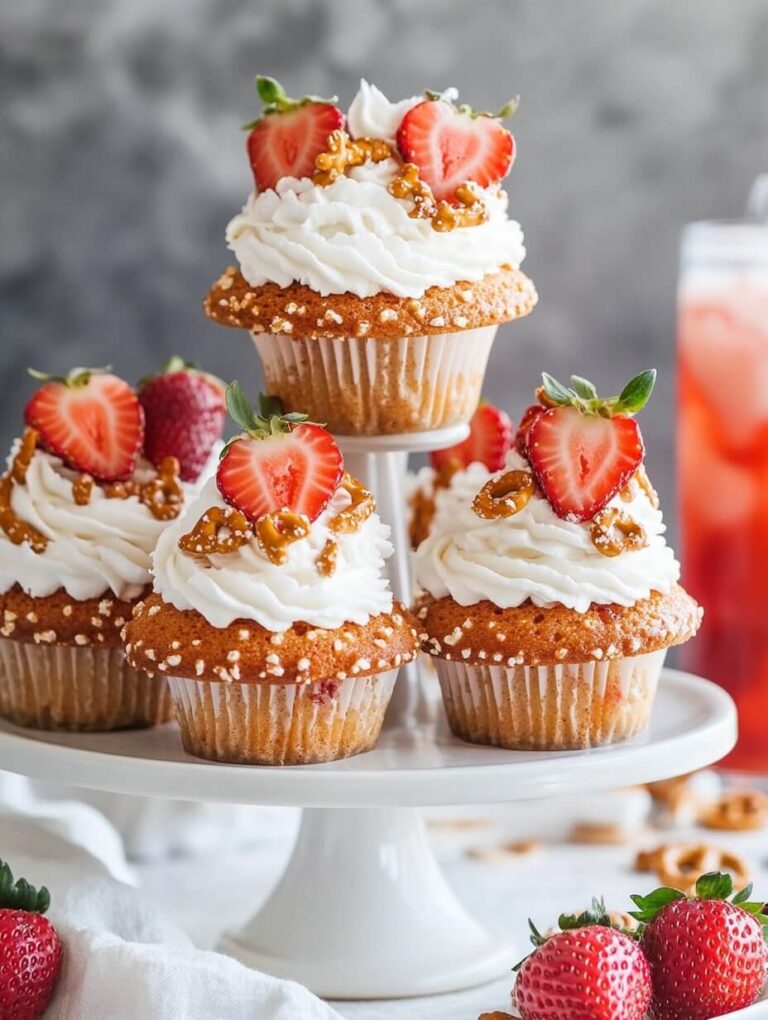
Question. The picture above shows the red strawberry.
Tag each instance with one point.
(585, 448)
(521, 436)
(707, 955)
(89, 418)
(280, 462)
(185, 413)
(489, 441)
(30, 949)
(590, 971)
(454, 144)
(290, 134)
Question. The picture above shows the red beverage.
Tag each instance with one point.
(723, 467)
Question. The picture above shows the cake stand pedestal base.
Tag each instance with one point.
(363, 911)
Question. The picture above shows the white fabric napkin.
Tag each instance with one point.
(123, 959)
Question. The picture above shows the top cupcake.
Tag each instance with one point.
(393, 199)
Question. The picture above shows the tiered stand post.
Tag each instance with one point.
(363, 910)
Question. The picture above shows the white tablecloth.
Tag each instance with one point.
(143, 952)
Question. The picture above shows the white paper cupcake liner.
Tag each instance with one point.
(379, 387)
(281, 724)
(562, 707)
(67, 687)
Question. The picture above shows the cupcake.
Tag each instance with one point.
(372, 277)
(85, 497)
(432, 489)
(271, 616)
(551, 594)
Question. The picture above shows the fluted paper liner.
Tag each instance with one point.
(541, 708)
(281, 724)
(379, 387)
(68, 687)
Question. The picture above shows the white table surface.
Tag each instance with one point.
(559, 876)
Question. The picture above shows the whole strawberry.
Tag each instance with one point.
(184, 411)
(30, 949)
(489, 441)
(707, 953)
(589, 970)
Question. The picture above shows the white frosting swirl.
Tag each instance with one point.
(372, 115)
(245, 584)
(536, 555)
(102, 546)
(354, 236)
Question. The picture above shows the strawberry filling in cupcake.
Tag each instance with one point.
(83, 501)
(376, 256)
(271, 615)
(551, 592)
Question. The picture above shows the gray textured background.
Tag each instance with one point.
(121, 160)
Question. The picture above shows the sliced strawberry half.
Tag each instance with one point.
(290, 134)
(454, 144)
(582, 461)
(280, 462)
(584, 448)
(521, 436)
(91, 419)
(489, 441)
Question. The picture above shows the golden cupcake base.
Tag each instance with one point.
(65, 687)
(550, 708)
(281, 724)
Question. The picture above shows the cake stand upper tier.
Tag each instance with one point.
(693, 725)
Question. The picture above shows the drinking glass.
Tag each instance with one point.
(723, 461)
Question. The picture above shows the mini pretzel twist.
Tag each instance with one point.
(326, 560)
(343, 152)
(206, 537)
(164, 494)
(409, 185)
(504, 496)
(276, 531)
(679, 865)
(471, 210)
(122, 490)
(24, 455)
(613, 532)
(737, 810)
(642, 481)
(19, 531)
(82, 487)
(359, 510)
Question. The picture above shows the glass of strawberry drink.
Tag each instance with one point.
(722, 442)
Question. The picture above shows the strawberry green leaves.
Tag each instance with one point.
(583, 395)
(271, 419)
(20, 895)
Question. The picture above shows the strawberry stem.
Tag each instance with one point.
(276, 100)
(583, 395)
(714, 885)
(20, 895)
(74, 378)
(271, 420)
(503, 113)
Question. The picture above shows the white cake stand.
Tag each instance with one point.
(362, 910)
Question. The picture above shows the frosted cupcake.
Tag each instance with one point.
(81, 508)
(271, 615)
(372, 276)
(552, 595)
